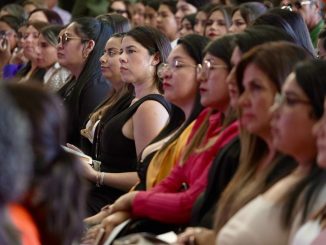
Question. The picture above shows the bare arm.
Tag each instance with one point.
(148, 121)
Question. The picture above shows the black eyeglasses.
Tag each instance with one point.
(65, 39)
(117, 11)
(296, 4)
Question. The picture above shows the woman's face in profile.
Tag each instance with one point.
(70, 48)
(136, 64)
(319, 131)
(292, 122)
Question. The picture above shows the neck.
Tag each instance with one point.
(145, 88)
(271, 152)
(302, 169)
(187, 108)
(76, 70)
(304, 163)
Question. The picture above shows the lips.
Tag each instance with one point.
(166, 85)
(212, 34)
(202, 89)
(60, 55)
(103, 68)
(246, 117)
(123, 68)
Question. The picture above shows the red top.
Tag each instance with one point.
(167, 202)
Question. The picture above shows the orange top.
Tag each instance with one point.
(24, 224)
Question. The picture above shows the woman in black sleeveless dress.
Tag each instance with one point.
(123, 136)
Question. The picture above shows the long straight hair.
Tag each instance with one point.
(246, 185)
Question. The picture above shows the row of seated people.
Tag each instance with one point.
(211, 92)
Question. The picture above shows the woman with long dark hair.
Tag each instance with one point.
(79, 48)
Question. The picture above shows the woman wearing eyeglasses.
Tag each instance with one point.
(9, 26)
(313, 232)
(119, 7)
(79, 48)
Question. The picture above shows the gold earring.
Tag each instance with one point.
(85, 55)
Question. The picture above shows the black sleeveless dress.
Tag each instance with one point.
(116, 153)
(93, 149)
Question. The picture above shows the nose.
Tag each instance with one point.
(158, 18)
(201, 76)
(103, 59)
(244, 99)
(59, 45)
(122, 58)
(37, 50)
(232, 28)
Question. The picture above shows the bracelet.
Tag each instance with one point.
(102, 178)
(99, 179)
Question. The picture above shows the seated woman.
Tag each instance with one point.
(55, 76)
(273, 216)
(9, 26)
(187, 25)
(123, 136)
(313, 232)
(245, 14)
(201, 18)
(218, 22)
(166, 21)
(58, 214)
(16, 226)
(31, 70)
(79, 48)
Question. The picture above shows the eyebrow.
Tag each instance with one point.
(131, 46)
(179, 57)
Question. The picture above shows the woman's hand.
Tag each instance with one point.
(97, 218)
(93, 236)
(124, 203)
(110, 222)
(88, 170)
(197, 235)
(86, 161)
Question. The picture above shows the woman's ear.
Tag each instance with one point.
(88, 47)
(156, 59)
